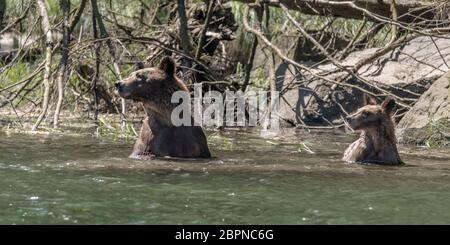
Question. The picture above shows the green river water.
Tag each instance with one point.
(254, 178)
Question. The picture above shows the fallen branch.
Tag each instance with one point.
(357, 9)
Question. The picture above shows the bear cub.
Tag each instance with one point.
(158, 137)
(377, 142)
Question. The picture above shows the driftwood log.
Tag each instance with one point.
(407, 10)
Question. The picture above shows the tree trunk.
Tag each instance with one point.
(65, 7)
(202, 38)
(2, 12)
(273, 108)
(407, 10)
(77, 17)
(185, 40)
(45, 23)
(205, 29)
(104, 34)
(97, 67)
(249, 66)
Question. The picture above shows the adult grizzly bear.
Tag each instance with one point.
(377, 143)
(154, 87)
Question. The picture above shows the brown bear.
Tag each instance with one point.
(377, 143)
(158, 137)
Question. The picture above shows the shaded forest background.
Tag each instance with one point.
(59, 59)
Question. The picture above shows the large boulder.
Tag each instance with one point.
(407, 72)
(428, 122)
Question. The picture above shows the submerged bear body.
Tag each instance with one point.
(172, 141)
(364, 150)
(377, 142)
(158, 136)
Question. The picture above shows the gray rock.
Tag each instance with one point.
(407, 72)
(429, 120)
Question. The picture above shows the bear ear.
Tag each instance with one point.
(369, 100)
(388, 104)
(138, 66)
(167, 65)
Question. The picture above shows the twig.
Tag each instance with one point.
(19, 19)
(439, 51)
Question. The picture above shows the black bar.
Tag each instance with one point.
(207, 234)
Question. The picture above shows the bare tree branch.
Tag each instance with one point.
(65, 7)
(46, 28)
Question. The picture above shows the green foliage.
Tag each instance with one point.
(53, 9)
(259, 79)
(14, 8)
(107, 127)
(437, 135)
(431, 142)
(15, 73)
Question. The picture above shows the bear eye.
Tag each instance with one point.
(139, 77)
(365, 114)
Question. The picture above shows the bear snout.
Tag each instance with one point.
(352, 122)
(118, 84)
(121, 89)
(349, 119)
